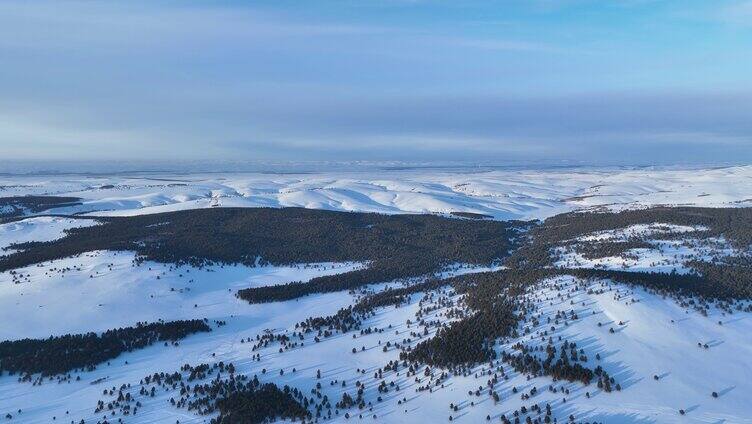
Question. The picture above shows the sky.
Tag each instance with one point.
(590, 81)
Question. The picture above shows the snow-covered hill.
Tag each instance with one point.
(501, 194)
(665, 356)
(657, 338)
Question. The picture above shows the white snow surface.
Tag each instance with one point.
(42, 228)
(657, 337)
(664, 255)
(503, 194)
(640, 230)
(104, 290)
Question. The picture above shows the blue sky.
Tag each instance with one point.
(602, 81)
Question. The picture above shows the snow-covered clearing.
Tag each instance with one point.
(641, 231)
(664, 255)
(43, 228)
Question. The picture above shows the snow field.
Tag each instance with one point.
(97, 291)
(526, 194)
(648, 344)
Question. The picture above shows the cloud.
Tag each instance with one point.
(484, 127)
(152, 79)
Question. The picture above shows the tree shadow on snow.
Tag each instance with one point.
(726, 390)
(595, 416)
(691, 408)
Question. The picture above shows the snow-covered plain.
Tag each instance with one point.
(503, 194)
(105, 290)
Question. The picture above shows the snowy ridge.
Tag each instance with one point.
(502, 194)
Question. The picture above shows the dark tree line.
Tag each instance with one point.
(471, 215)
(707, 285)
(495, 304)
(404, 266)
(11, 207)
(732, 279)
(467, 341)
(208, 389)
(732, 223)
(394, 246)
(61, 354)
(255, 405)
(727, 279)
(604, 249)
(566, 366)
